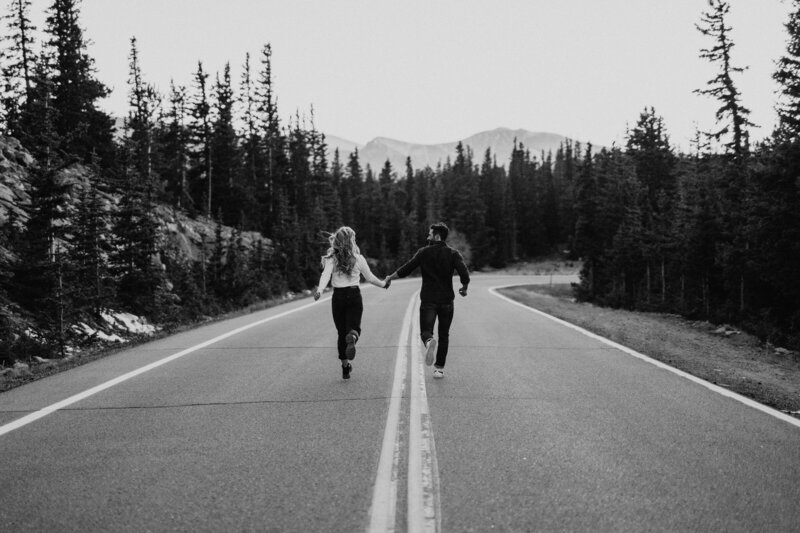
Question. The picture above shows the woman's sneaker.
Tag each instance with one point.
(346, 371)
(350, 348)
(438, 373)
(430, 351)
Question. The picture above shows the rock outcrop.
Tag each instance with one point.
(180, 235)
(15, 188)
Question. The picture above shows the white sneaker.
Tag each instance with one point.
(438, 373)
(430, 353)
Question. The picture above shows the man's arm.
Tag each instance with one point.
(406, 269)
(463, 273)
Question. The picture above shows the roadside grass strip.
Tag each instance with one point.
(715, 388)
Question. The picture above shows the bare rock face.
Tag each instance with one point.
(188, 237)
(14, 185)
(180, 235)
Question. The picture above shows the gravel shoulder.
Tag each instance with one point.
(718, 354)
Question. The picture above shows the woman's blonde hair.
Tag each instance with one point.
(343, 249)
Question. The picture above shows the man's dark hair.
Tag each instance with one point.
(441, 230)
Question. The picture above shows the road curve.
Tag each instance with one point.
(250, 427)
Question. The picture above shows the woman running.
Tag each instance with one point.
(343, 265)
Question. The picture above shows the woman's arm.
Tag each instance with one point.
(324, 278)
(367, 273)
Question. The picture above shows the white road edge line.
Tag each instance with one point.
(716, 388)
(41, 413)
(424, 512)
(383, 510)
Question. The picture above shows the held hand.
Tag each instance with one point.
(387, 282)
(316, 295)
(462, 291)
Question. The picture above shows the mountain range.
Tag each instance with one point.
(499, 140)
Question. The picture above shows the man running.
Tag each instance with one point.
(437, 262)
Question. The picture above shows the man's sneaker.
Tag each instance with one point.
(350, 348)
(346, 371)
(438, 373)
(430, 351)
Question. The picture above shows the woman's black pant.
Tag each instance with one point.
(347, 308)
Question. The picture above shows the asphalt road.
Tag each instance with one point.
(246, 425)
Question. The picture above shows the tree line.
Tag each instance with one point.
(710, 234)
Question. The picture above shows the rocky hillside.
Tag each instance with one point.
(14, 186)
(179, 233)
(180, 237)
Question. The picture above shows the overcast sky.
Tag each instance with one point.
(431, 71)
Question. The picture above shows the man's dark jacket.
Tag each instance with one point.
(437, 263)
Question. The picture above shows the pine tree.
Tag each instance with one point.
(788, 77)
(551, 221)
(722, 87)
(337, 170)
(648, 146)
(173, 139)
(37, 122)
(773, 228)
(83, 130)
(492, 189)
(524, 189)
(135, 259)
(325, 183)
(464, 205)
(39, 275)
(627, 253)
(368, 216)
(700, 222)
(351, 188)
(18, 63)
(735, 249)
(564, 181)
(586, 242)
(90, 249)
(144, 104)
(247, 102)
(236, 277)
(200, 130)
(272, 139)
(296, 180)
(252, 155)
(227, 191)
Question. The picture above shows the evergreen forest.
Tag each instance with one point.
(711, 234)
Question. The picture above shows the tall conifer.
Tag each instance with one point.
(788, 77)
(17, 76)
(200, 129)
(228, 195)
(144, 104)
(722, 87)
(83, 130)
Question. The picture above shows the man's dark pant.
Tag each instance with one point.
(347, 308)
(428, 313)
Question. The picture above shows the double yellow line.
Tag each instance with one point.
(423, 511)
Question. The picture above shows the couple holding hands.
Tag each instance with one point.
(343, 265)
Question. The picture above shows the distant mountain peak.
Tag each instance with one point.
(499, 140)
